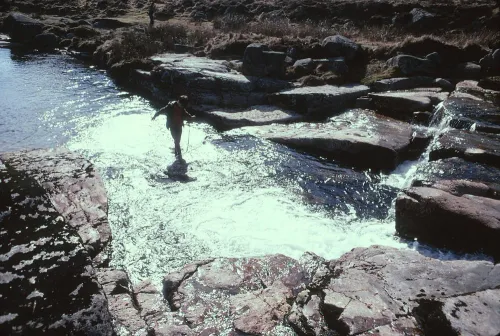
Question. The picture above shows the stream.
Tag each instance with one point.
(245, 196)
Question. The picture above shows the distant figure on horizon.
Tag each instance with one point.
(151, 13)
(175, 113)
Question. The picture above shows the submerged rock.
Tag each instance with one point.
(360, 138)
(255, 116)
(320, 101)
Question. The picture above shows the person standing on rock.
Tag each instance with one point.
(175, 113)
(151, 13)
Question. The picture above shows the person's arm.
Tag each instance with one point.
(160, 111)
(187, 113)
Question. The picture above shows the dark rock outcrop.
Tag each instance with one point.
(410, 65)
(259, 61)
(471, 146)
(46, 41)
(454, 215)
(48, 283)
(340, 46)
(74, 188)
(22, 28)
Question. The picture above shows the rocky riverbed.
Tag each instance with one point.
(55, 275)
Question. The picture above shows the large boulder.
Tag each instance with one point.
(77, 193)
(22, 28)
(47, 279)
(259, 61)
(471, 89)
(209, 83)
(467, 70)
(456, 215)
(340, 46)
(490, 83)
(358, 138)
(402, 104)
(385, 291)
(308, 65)
(46, 41)
(410, 65)
(320, 101)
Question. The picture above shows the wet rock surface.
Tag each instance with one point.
(320, 101)
(360, 138)
(471, 146)
(472, 114)
(47, 281)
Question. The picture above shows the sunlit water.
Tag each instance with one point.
(245, 197)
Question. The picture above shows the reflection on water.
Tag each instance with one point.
(245, 196)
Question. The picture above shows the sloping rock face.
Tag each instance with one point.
(74, 188)
(385, 291)
(237, 296)
(360, 138)
(321, 101)
(255, 116)
(368, 291)
(47, 281)
(459, 215)
(208, 83)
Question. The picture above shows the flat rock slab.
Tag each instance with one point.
(237, 296)
(211, 82)
(471, 114)
(47, 282)
(385, 291)
(458, 215)
(319, 101)
(74, 187)
(255, 116)
(405, 83)
(471, 146)
(359, 138)
(402, 104)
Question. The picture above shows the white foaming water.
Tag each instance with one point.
(233, 208)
